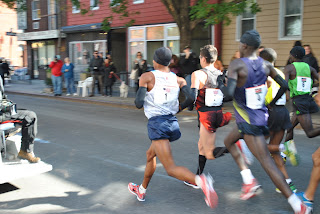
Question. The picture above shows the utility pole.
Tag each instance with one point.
(58, 8)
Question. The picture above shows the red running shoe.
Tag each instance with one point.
(207, 188)
(304, 210)
(250, 190)
(134, 189)
(195, 186)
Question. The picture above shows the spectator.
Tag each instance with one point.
(67, 70)
(4, 69)
(141, 66)
(97, 69)
(236, 55)
(189, 62)
(109, 77)
(174, 65)
(28, 120)
(296, 43)
(309, 58)
(218, 65)
(56, 77)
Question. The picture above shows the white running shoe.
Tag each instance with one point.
(68, 94)
(245, 151)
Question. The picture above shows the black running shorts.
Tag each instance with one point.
(248, 129)
(279, 119)
(304, 104)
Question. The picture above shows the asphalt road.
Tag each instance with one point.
(97, 150)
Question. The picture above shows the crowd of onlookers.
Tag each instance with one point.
(102, 70)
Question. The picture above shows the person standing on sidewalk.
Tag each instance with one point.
(97, 69)
(56, 77)
(109, 77)
(67, 70)
(140, 66)
(189, 63)
(158, 93)
(4, 69)
(246, 85)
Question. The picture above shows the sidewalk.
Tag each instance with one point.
(37, 88)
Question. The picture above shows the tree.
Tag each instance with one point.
(186, 15)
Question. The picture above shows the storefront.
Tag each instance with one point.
(146, 39)
(83, 40)
(41, 49)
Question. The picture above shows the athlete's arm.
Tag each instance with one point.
(187, 93)
(141, 93)
(195, 85)
(283, 84)
(287, 76)
(315, 76)
(228, 90)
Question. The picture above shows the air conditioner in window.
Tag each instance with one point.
(35, 25)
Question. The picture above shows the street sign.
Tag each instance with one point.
(11, 34)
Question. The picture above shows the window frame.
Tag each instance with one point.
(239, 25)
(137, 1)
(282, 16)
(52, 16)
(33, 10)
(75, 9)
(92, 7)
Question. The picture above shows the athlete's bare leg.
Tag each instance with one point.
(315, 176)
(294, 123)
(162, 149)
(258, 147)
(150, 166)
(229, 142)
(306, 123)
(207, 141)
(275, 140)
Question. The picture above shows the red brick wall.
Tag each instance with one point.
(151, 12)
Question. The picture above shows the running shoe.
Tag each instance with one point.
(207, 188)
(304, 210)
(134, 189)
(245, 151)
(250, 190)
(306, 202)
(292, 187)
(291, 152)
(195, 186)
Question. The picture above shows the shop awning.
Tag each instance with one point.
(81, 28)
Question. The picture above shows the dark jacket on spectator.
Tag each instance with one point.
(96, 66)
(4, 69)
(312, 61)
(141, 68)
(189, 65)
(109, 79)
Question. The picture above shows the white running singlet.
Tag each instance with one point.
(163, 98)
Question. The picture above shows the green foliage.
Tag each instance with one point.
(217, 13)
(19, 5)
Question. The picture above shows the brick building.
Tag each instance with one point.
(10, 47)
(40, 23)
(154, 27)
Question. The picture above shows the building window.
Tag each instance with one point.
(36, 12)
(290, 26)
(245, 22)
(52, 17)
(75, 8)
(94, 4)
(138, 1)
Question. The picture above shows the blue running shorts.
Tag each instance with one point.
(164, 127)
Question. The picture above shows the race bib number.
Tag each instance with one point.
(255, 96)
(166, 96)
(304, 84)
(213, 97)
